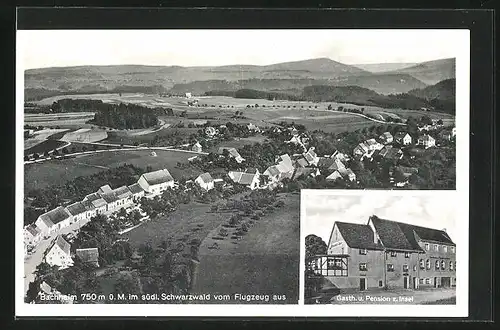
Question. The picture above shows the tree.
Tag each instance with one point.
(315, 246)
(439, 122)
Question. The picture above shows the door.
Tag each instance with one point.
(415, 282)
(436, 282)
(445, 282)
(406, 282)
(362, 284)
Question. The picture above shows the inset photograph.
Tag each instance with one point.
(378, 247)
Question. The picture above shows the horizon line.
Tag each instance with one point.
(236, 64)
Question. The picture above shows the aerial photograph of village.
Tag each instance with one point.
(376, 249)
(170, 172)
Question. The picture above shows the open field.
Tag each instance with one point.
(40, 136)
(85, 135)
(239, 142)
(65, 120)
(47, 145)
(264, 261)
(61, 170)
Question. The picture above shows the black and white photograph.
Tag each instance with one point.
(168, 166)
(377, 248)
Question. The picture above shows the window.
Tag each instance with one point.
(436, 247)
(422, 281)
(437, 265)
(455, 265)
(394, 253)
(405, 268)
(452, 249)
(427, 281)
(427, 246)
(451, 265)
(443, 265)
(380, 284)
(414, 268)
(407, 254)
(362, 266)
(445, 248)
(428, 264)
(422, 264)
(362, 251)
(390, 267)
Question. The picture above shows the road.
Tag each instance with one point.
(33, 260)
(121, 148)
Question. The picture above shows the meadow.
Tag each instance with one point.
(264, 261)
(58, 171)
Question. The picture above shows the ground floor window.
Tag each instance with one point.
(422, 281)
(390, 267)
(380, 284)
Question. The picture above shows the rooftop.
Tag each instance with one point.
(206, 177)
(33, 229)
(157, 177)
(88, 255)
(76, 208)
(122, 192)
(135, 188)
(55, 216)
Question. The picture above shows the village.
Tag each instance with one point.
(297, 160)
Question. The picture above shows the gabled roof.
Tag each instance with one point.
(76, 208)
(89, 206)
(109, 198)
(157, 177)
(310, 155)
(135, 188)
(426, 137)
(45, 288)
(105, 189)
(122, 192)
(400, 135)
(325, 162)
(33, 229)
(272, 171)
(286, 162)
(357, 236)
(95, 199)
(302, 162)
(370, 142)
(232, 152)
(398, 235)
(386, 135)
(363, 146)
(62, 244)
(336, 165)
(383, 152)
(299, 172)
(242, 177)
(206, 177)
(88, 255)
(55, 216)
(393, 153)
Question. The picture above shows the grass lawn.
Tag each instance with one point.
(59, 171)
(264, 261)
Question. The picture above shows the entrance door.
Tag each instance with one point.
(445, 282)
(406, 282)
(435, 282)
(362, 284)
(415, 282)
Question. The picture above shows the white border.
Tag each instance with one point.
(460, 309)
(462, 196)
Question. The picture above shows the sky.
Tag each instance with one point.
(436, 211)
(49, 48)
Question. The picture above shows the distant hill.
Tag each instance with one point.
(287, 77)
(443, 90)
(383, 67)
(431, 72)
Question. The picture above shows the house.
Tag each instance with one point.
(233, 153)
(32, 235)
(306, 171)
(273, 173)
(373, 145)
(47, 290)
(124, 196)
(386, 138)
(427, 141)
(389, 152)
(154, 183)
(403, 138)
(301, 162)
(285, 166)
(78, 212)
(99, 204)
(453, 131)
(446, 135)
(111, 201)
(197, 147)
(137, 191)
(386, 254)
(88, 256)
(342, 173)
(361, 150)
(53, 220)
(426, 128)
(311, 157)
(252, 127)
(340, 156)
(249, 178)
(210, 131)
(58, 254)
(205, 181)
(105, 190)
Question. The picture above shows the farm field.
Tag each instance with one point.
(40, 136)
(239, 143)
(61, 170)
(47, 145)
(265, 261)
(85, 135)
(63, 120)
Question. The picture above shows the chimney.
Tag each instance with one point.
(444, 229)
